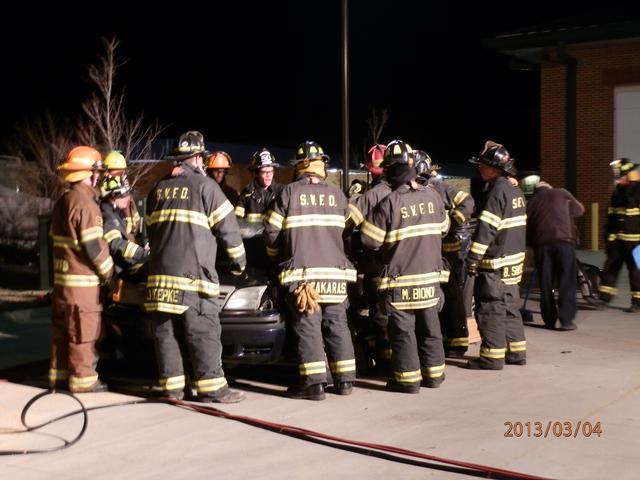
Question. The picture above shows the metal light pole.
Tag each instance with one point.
(345, 95)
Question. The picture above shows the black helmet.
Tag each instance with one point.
(263, 158)
(398, 152)
(423, 163)
(309, 150)
(189, 144)
(496, 156)
(622, 167)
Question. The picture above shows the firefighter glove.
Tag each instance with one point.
(306, 299)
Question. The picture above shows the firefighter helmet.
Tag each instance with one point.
(624, 167)
(496, 156)
(376, 155)
(310, 151)
(424, 167)
(261, 159)
(189, 144)
(115, 161)
(115, 186)
(219, 159)
(398, 152)
(80, 163)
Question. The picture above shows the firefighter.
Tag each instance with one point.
(407, 227)
(116, 197)
(187, 213)
(218, 167)
(305, 226)
(622, 231)
(81, 263)
(116, 166)
(496, 258)
(256, 197)
(366, 260)
(459, 206)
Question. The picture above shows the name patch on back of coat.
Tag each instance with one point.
(165, 295)
(330, 288)
(417, 293)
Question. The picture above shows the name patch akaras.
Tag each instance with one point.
(330, 288)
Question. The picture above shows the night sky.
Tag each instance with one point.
(269, 72)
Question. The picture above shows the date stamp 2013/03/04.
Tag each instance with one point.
(552, 428)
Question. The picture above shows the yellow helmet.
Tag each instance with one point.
(115, 161)
(80, 163)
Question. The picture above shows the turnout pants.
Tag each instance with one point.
(618, 254)
(556, 265)
(377, 318)
(328, 331)
(194, 336)
(499, 320)
(416, 345)
(453, 316)
(74, 336)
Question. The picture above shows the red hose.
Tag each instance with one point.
(373, 446)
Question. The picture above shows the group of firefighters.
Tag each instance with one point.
(404, 232)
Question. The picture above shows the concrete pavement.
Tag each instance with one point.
(588, 375)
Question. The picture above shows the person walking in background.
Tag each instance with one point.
(552, 233)
(622, 232)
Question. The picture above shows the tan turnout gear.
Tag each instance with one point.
(81, 263)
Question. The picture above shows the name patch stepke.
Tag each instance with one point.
(165, 295)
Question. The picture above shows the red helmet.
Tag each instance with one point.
(376, 154)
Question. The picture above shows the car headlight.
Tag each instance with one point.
(247, 298)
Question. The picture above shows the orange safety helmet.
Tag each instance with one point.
(376, 155)
(80, 163)
(219, 160)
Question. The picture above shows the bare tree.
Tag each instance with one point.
(376, 123)
(43, 142)
(106, 123)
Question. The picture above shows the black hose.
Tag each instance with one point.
(384, 452)
(66, 443)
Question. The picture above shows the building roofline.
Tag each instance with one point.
(541, 36)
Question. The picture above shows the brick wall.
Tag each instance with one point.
(600, 69)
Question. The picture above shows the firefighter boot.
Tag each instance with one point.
(634, 308)
(312, 392)
(479, 364)
(227, 396)
(394, 386)
(344, 388)
(433, 382)
(97, 387)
